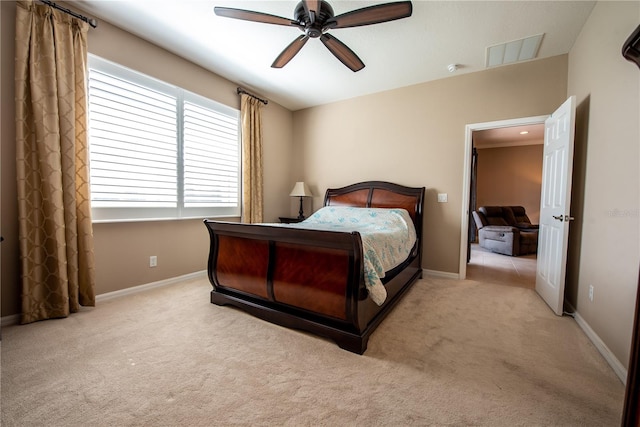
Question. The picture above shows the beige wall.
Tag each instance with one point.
(605, 237)
(123, 249)
(416, 136)
(511, 176)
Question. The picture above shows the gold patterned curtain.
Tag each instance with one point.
(251, 118)
(55, 231)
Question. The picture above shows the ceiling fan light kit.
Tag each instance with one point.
(315, 18)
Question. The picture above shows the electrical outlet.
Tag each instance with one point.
(591, 293)
(153, 261)
(443, 197)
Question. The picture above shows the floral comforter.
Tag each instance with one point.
(388, 235)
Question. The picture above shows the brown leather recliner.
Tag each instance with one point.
(506, 230)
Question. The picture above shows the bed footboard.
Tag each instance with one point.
(304, 279)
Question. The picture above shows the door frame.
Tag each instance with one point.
(466, 178)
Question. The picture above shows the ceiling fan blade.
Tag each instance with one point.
(290, 51)
(250, 15)
(312, 7)
(342, 52)
(372, 15)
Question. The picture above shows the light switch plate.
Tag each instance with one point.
(442, 197)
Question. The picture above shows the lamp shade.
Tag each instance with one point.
(300, 190)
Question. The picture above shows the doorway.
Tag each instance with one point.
(474, 130)
(507, 171)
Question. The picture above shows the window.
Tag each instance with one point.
(158, 151)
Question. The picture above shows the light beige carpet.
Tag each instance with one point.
(452, 353)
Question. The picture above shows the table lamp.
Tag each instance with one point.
(300, 190)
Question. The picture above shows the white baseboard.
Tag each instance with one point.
(441, 274)
(141, 288)
(15, 318)
(611, 359)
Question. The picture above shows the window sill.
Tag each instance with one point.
(116, 221)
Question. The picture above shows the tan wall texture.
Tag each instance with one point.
(416, 136)
(511, 176)
(605, 237)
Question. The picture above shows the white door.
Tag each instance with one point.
(555, 203)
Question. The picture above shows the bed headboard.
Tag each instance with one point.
(380, 194)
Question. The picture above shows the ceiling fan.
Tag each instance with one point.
(315, 18)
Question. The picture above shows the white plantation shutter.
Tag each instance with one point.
(133, 144)
(157, 151)
(211, 157)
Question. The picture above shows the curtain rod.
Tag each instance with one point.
(89, 21)
(264, 101)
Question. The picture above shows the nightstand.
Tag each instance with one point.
(285, 220)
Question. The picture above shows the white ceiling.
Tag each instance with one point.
(396, 54)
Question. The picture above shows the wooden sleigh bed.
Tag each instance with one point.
(313, 280)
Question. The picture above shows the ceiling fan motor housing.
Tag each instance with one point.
(313, 30)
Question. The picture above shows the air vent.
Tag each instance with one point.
(513, 51)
